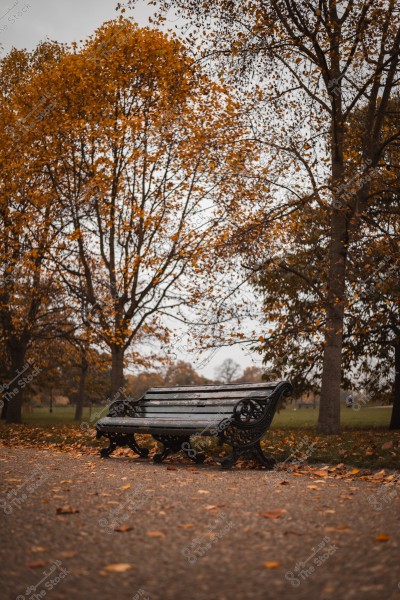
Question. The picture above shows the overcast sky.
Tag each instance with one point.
(24, 24)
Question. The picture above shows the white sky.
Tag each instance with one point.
(24, 23)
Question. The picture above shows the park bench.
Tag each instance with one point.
(238, 414)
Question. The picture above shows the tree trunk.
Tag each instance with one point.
(329, 412)
(81, 390)
(395, 420)
(4, 405)
(117, 371)
(15, 394)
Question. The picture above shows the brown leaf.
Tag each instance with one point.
(342, 528)
(156, 534)
(382, 537)
(35, 564)
(172, 468)
(67, 553)
(186, 526)
(213, 506)
(67, 510)
(321, 473)
(273, 514)
(125, 487)
(271, 564)
(123, 528)
(118, 567)
(387, 445)
(284, 483)
(38, 549)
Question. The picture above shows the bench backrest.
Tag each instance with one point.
(207, 401)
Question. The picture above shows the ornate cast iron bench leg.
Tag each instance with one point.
(133, 445)
(105, 452)
(268, 463)
(172, 444)
(228, 461)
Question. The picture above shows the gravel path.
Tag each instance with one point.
(190, 533)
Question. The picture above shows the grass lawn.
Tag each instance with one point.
(367, 417)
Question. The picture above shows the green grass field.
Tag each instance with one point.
(306, 418)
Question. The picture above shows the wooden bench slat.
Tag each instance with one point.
(205, 388)
(222, 395)
(188, 417)
(139, 422)
(191, 403)
(178, 410)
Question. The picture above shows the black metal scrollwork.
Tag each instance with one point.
(252, 418)
(248, 410)
(123, 408)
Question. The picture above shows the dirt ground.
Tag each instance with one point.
(126, 529)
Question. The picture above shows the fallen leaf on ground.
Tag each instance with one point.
(213, 506)
(382, 537)
(125, 487)
(203, 492)
(155, 534)
(35, 564)
(123, 528)
(67, 553)
(172, 468)
(321, 473)
(284, 483)
(387, 445)
(271, 564)
(273, 514)
(38, 549)
(118, 567)
(67, 510)
(186, 526)
(337, 528)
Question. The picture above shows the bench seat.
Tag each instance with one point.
(160, 425)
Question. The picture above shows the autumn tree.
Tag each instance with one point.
(227, 371)
(177, 373)
(60, 363)
(250, 375)
(29, 291)
(373, 333)
(143, 152)
(183, 373)
(291, 282)
(315, 64)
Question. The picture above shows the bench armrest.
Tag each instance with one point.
(251, 412)
(123, 408)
